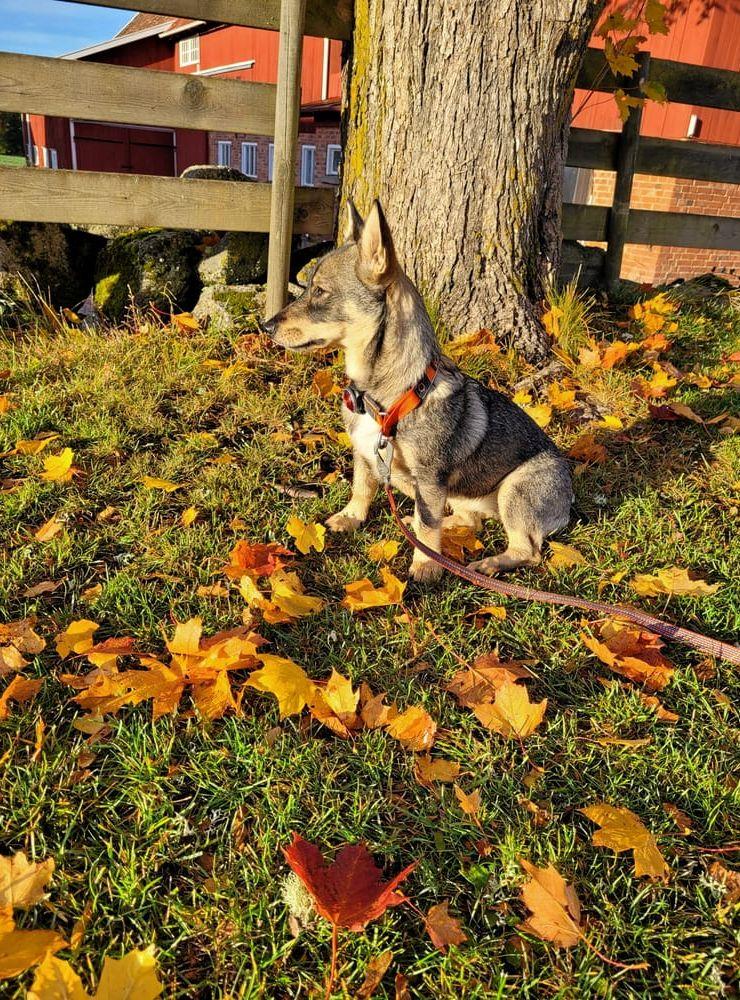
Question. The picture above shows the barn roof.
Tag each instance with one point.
(143, 22)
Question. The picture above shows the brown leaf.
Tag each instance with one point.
(402, 987)
(634, 653)
(622, 830)
(555, 909)
(481, 682)
(48, 530)
(442, 928)
(427, 771)
(376, 969)
(729, 879)
(414, 728)
(469, 803)
(512, 714)
(22, 882)
(256, 559)
(45, 587)
(684, 823)
(20, 690)
(374, 712)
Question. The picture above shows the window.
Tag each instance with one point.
(333, 160)
(270, 158)
(308, 165)
(35, 156)
(189, 49)
(249, 159)
(223, 154)
(50, 158)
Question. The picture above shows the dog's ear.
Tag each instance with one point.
(353, 226)
(377, 264)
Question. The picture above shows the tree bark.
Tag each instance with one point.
(457, 119)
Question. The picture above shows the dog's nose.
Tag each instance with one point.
(268, 325)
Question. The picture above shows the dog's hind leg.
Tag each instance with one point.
(533, 501)
(364, 487)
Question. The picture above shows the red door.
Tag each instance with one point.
(124, 150)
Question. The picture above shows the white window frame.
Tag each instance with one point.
(188, 51)
(333, 149)
(50, 158)
(308, 155)
(270, 160)
(35, 156)
(221, 146)
(249, 148)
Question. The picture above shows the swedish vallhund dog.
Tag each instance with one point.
(464, 446)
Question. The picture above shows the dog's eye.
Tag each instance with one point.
(318, 292)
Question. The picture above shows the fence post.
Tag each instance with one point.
(627, 146)
(287, 113)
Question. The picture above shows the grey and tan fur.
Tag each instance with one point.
(467, 448)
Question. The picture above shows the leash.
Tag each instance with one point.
(676, 633)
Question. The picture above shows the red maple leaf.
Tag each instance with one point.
(350, 891)
(258, 559)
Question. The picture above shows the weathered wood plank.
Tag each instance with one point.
(324, 18)
(685, 83)
(136, 200)
(287, 115)
(660, 229)
(43, 86)
(702, 161)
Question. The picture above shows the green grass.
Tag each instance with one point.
(147, 837)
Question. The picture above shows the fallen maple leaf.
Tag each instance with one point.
(375, 713)
(512, 714)
(541, 413)
(672, 581)
(427, 771)
(22, 882)
(289, 596)
(56, 980)
(565, 556)
(555, 910)
(481, 682)
(59, 468)
(188, 516)
(133, 977)
(323, 383)
(362, 594)
(286, 680)
(76, 638)
(469, 802)
(21, 949)
(374, 973)
(561, 397)
(442, 928)
(622, 830)
(683, 822)
(383, 551)
(415, 728)
(634, 653)
(48, 530)
(152, 483)
(185, 322)
(307, 536)
(255, 560)
(729, 880)
(587, 449)
(458, 540)
(20, 690)
(349, 892)
(16, 638)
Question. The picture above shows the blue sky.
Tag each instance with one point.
(50, 27)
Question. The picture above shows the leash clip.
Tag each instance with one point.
(384, 457)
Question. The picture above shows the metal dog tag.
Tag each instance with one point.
(384, 457)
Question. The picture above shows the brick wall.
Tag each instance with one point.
(672, 194)
(319, 136)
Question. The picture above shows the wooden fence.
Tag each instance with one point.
(628, 153)
(109, 93)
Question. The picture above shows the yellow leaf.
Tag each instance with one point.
(91, 594)
(458, 540)
(551, 321)
(76, 638)
(427, 771)
(671, 581)
(361, 594)
(633, 653)
(541, 413)
(564, 556)
(19, 950)
(59, 468)
(152, 483)
(22, 882)
(610, 423)
(481, 683)
(622, 830)
(289, 596)
(56, 980)
(620, 61)
(383, 551)
(654, 91)
(624, 102)
(48, 530)
(186, 640)
(185, 322)
(494, 610)
(469, 803)
(414, 728)
(188, 516)
(5, 404)
(656, 17)
(555, 909)
(133, 977)
(286, 680)
(560, 397)
(323, 383)
(307, 536)
(522, 398)
(21, 689)
(339, 696)
(35, 445)
(213, 700)
(512, 714)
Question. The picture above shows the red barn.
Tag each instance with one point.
(153, 41)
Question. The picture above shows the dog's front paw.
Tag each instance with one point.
(425, 570)
(343, 521)
(490, 566)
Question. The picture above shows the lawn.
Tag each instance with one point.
(169, 832)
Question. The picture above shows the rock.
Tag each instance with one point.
(157, 266)
(230, 307)
(238, 259)
(587, 263)
(209, 172)
(58, 260)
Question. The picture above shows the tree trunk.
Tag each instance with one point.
(457, 120)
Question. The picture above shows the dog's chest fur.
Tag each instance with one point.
(364, 433)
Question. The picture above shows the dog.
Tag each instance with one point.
(464, 447)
